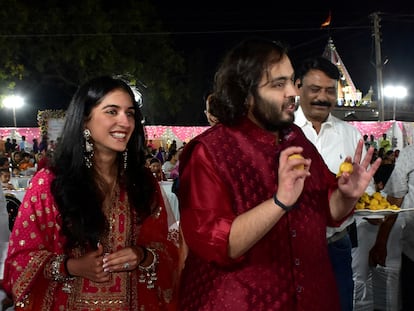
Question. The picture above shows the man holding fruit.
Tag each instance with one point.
(254, 217)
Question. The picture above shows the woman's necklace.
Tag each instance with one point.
(110, 202)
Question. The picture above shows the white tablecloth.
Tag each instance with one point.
(166, 186)
(20, 182)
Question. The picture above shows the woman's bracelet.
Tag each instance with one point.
(149, 274)
(144, 255)
(53, 269)
(65, 265)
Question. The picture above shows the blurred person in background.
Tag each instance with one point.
(156, 169)
(400, 191)
(4, 162)
(2, 146)
(171, 162)
(209, 111)
(5, 179)
(35, 146)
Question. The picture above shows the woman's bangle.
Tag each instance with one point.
(65, 265)
(56, 269)
(144, 255)
(149, 274)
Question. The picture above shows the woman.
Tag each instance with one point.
(171, 162)
(92, 229)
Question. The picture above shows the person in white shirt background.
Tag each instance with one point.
(317, 82)
(4, 238)
(399, 190)
(171, 162)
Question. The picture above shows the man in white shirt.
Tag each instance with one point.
(317, 81)
(400, 191)
(24, 145)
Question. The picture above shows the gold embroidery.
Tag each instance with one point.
(22, 242)
(33, 235)
(116, 292)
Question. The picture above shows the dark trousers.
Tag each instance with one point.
(407, 283)
(341, 259)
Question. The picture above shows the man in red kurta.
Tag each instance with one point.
(254, 223)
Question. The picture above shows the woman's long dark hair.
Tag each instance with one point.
(76, 190)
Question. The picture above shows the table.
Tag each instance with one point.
(21, 182)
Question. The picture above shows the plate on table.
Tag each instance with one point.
(382, 212)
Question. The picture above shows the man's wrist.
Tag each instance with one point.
(286, 208)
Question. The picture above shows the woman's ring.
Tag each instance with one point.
(126, 266)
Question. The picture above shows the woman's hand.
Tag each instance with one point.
(89, 266)
(126, 259)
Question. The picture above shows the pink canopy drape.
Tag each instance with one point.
(182, 134)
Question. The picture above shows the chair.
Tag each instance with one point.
(13, 205)
(7, 302)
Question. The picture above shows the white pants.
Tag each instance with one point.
(376, 287)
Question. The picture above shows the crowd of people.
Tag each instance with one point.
(22, 158)
(164, 162)
(261, 228)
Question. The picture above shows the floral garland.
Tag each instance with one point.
(43, 117)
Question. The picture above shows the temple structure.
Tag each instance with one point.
(348, 94)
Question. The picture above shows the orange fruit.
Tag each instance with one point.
(297, 156)
(345, 167)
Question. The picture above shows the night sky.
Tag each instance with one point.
(211, 28)
(216, 28)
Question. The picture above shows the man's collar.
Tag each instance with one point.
(301, 120)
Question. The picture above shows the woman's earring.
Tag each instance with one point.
(125, 156)
(88, 152)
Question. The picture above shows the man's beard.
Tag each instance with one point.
(270, 115)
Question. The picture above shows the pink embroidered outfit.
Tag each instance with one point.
(36, 240)
(226, 171)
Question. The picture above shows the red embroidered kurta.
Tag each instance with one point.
(36, 237)
(226, 171)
